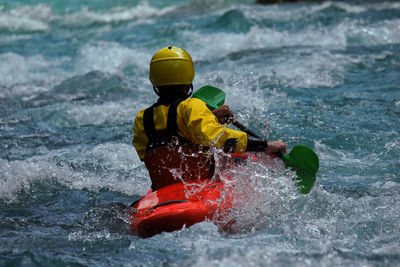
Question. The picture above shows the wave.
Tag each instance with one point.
(111, 58)
(42, 17)
(31, 75)
(106, 166)
(20, 75)
(341, 36)
(117, 14)
(25, 18)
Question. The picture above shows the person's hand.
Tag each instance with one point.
(276, 147)
(223, 114)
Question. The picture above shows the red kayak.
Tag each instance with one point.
(177, 205)
(174, 206)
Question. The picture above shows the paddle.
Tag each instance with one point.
(300, 159)
(214, 98)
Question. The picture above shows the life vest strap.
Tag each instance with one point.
(165, 137)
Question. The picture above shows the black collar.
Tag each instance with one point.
(167, 100)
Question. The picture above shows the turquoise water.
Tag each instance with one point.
(73, 75)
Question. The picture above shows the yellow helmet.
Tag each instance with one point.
(171, 66)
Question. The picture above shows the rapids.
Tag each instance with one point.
(74, 74)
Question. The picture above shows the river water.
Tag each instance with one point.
(74, 74)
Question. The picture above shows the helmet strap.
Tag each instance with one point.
(156, 90)
(190, 90)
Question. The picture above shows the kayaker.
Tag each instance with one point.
(174, 136)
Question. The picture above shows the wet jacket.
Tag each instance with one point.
(181, 131)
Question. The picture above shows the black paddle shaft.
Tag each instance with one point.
(245, 129)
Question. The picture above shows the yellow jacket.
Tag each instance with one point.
(196, 123)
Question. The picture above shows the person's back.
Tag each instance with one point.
(174, 135)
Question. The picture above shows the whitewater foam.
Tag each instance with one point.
(25, 18)
(21, 75)
(112, 58)
(142, 11)
(62, 166)
(110, 112)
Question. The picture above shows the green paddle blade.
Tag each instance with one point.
(305, 163)
(212, 96)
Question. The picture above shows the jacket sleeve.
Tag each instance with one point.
(199, 125)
